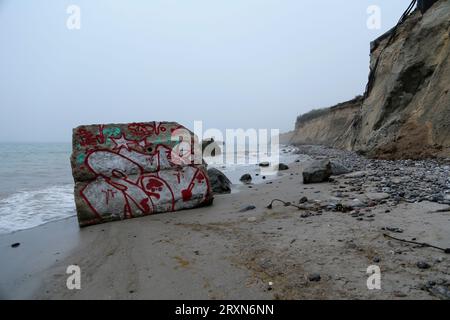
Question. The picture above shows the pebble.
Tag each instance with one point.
(393, 229)
(423, 265)
(314, 277)
(247, 208)
(303, 200)
(402, 180)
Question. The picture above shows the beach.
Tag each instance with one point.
(231, 251)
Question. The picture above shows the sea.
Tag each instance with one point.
(36, 184)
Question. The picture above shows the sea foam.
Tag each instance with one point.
(30, 208)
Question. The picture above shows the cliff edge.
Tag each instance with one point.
(405, 112)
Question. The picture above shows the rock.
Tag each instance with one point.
(246, 178)
(393, 229)
(377, 196)
(305, 215)
(439, 260)
(314, 277)
(251, 219)
(264, 164)
(439, 288)
(303, 200)
(220, 184)
(15, 245)
(317, 171)
(247, 208)
(423, 265)
(338, 169)
(376, 259)
(282, 167)
(356, 203)
(132, 170)
(357, 174)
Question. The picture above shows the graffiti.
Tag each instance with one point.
(146, 129)
(132, 174)
(87, 138)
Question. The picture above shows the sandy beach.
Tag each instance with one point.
(226, 252)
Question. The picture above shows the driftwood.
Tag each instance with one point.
(418, 243)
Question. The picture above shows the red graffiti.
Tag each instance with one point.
(137, 179)
(87, 138)
(146, 129)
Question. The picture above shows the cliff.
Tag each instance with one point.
(405, 112)
(326, 126)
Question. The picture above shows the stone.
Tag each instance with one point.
(264, 164)
(356, 203)
(338, 169)
(317, 171)
(220, 184)
(357, 174)
(15, 245)
(247, 208)
(246, 178)
(305, 215)
(283, 167)
(393, 229)
(377, 196)
(132, 170)
(303, 200)
(423, 265)
(314, 277)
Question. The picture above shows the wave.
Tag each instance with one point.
(31, 208)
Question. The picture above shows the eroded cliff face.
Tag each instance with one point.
(406, 114)
(326, 126)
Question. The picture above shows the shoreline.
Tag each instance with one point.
(225, 252)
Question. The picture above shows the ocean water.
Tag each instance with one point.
(36, 184)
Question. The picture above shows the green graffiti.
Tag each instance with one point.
(111, 132)
(80, 158)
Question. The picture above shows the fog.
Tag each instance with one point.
(229, 63)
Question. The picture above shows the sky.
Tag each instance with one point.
(229, 63)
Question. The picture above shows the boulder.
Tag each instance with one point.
(338, 169)
(317, 171)
(246, 178)
(220, 184)
(131, 170)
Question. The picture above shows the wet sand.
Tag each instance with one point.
(219, 252)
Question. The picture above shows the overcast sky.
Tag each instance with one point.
(231, 63)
